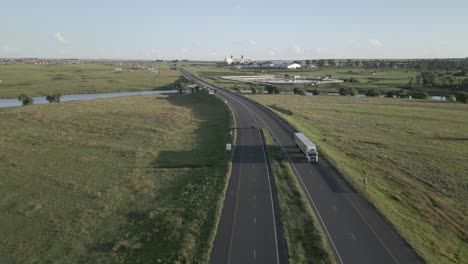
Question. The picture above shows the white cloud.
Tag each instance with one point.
(376, 43)
(60, 38)
(252, 42)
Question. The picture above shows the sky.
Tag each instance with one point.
(214, 29)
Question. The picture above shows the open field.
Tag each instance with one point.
(134, 179)
(382, 79)
(36, 80)
(305, 239)
(413, 154)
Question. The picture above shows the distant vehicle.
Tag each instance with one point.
(307, 147)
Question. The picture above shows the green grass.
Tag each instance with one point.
(382, 79)
(305, 239)
(414, 154)
(36, 80)
(131, 179)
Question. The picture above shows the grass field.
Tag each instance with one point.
(382, 79)
(413, 153)
(305, 239)
(133, 179)
(36, 80)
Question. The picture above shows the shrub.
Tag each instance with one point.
(25, 99)
(299, 91)
(402, 93)
(451, 98)
(390, 94)
(420, 95)
(372, 92)
(272, 89)
(315, 91)
(55, 98)
(347, 91)
(462, 97)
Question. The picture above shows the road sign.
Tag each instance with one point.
(228, 146)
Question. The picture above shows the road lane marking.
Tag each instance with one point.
(268, 176)
(237, 202)
(310, 198)
(303, 184)
(352, 235)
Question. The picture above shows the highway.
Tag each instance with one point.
(355, 230)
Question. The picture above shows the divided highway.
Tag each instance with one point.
(355, 231)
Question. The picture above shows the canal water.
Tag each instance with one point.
(82, 97)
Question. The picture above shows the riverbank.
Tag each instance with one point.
(134, 179)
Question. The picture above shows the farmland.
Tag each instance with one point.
(133, 179)
(412, 152)
(36, 80)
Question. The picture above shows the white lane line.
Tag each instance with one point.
(254, 254)
(352, 235)
(237, 202)
(268, 177)
(227, 94)
(255, 220)
(254, 196)
(313, 203)
(304, 186)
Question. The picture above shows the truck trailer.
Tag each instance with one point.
(307, 147)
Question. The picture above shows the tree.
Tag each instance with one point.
(54, 98)
(315, 91)
(321, 63)
(236, 88)
(428, 79)
(372, 92)
(410, 82)
(269, 88)
(307, 62)
(402, 93)
(390, 94)
(462, 97)
(418, 79)
(25, 99)
(180, 86)
(451, 98)
(347, 91)
(420, 95)
(299, 91)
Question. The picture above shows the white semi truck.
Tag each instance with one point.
(306, 146)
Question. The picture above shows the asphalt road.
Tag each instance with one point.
(356, 232)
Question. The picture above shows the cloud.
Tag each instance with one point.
(60, 38)
(252, 42)
(376, 43)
